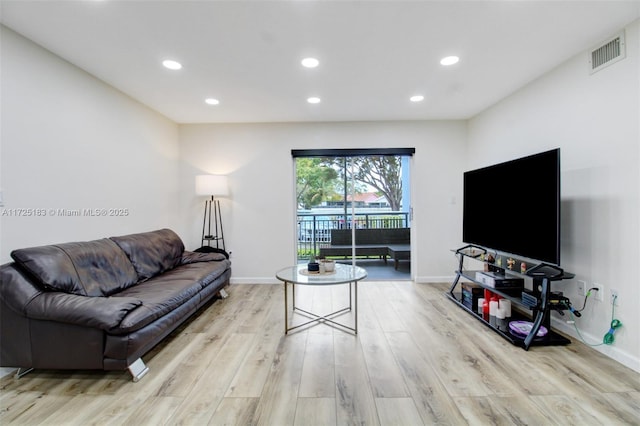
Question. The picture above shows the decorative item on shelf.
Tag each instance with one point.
(485, 309)
(523, 267)
(510, 263)
(313, 267)
(499, 261)
(522, 328)
(489, 259)
(212, 186)
(329, 265)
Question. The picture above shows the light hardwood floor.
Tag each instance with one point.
(418, 359)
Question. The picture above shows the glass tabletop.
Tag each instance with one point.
(343, 274)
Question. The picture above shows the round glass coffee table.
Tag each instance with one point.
(343, 274)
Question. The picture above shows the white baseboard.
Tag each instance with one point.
(611, 351)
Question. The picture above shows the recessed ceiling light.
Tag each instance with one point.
(449, 60)
(416, 98)
(171, 64)
(313, 100)
(212, 101)
(310, 62)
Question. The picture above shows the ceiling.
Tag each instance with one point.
(374, 55)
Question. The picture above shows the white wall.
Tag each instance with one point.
(69, 141)
(259, 217)
(594, 119)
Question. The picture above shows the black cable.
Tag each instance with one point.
(584, 305)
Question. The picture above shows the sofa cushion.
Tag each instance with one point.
(152, 253)
(162, 294)
(100, 312)
(50, 267)
(92, 268)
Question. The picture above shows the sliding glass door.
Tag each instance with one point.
(354, 206)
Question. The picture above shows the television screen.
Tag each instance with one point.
(514, 207)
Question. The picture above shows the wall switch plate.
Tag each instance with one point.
(582, 287)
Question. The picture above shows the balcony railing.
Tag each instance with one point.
(314, 229)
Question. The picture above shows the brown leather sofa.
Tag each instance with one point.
(101, 304)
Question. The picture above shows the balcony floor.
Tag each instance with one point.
(377, 270)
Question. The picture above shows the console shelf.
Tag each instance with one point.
(542, 276)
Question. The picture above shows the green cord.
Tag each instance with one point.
(608, 338)
(615, 324)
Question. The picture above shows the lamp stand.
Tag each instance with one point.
(218, 233)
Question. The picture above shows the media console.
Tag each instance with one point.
(534, 307)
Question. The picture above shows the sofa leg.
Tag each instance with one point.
(138, 369)
(223, 294)
(22, 372)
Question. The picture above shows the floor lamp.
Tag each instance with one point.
(212, 186)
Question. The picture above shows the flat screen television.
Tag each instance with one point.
(514, 207)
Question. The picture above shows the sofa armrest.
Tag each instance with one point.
(97, 312)
(194, 257)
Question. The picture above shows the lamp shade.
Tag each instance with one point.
(217, 185)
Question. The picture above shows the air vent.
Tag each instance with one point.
(608, 53)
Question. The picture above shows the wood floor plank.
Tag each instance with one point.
(417, 359)
(260, 310)
(235, 412)
(30, 408)
(384, 373)
(455, 357)
(432, 400)
(397, 411)
(380, 296)
(614, 378)
(154, 411)
(183, 377)
(254, 370)
(620, 408)
(563, 410)
(355, 402)
(277, 405)
(521, 411)
(316, 412)
(79, 410)
(201, 402)
(318, 373)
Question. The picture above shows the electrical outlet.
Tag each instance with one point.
(614, 298)
(598, 294)
(582, 287)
